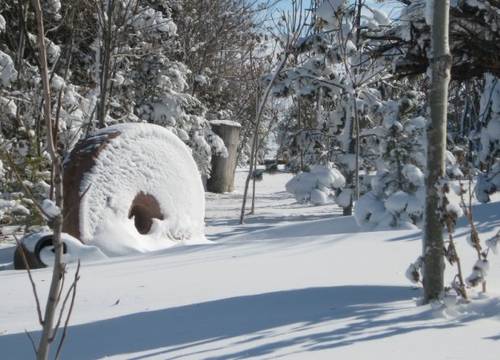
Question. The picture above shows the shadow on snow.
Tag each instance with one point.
(252, 317)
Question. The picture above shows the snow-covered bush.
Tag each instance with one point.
(396, 196)
(19, 160)
(317, 186)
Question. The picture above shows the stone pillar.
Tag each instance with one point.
(222, 175)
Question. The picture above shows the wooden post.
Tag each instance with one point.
(223, 168)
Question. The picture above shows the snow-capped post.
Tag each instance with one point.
(56, 220)
(433, 270)
(222, 174)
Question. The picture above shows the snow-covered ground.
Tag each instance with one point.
(274, 206)
(295, 282)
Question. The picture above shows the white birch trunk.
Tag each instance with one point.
(436, 147)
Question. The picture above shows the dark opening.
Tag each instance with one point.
(144, 209)
(44, 242)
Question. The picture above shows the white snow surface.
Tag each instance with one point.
(150, 159)
(225, 122)
(294, 282)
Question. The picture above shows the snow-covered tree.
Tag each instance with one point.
(335, 77)
(397, 192)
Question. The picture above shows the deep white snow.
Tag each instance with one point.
(295, 282)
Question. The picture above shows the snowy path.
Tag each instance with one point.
(299, 290)
(274, 206)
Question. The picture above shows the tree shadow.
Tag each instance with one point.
(486, 217)
(274, 223)
(244, 319)
(7, 258)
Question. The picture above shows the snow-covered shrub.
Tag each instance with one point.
(158, 90)
(317, 186)
(19, 160)
(397, 193)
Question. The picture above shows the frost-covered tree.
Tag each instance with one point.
(335, 76)
(397, 192)
(140, 80)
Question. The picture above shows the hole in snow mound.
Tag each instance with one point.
(144, 209)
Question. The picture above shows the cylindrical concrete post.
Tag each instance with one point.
(223, 168)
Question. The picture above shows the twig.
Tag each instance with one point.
(63, 306)
(75, 281)
(32, 341)
(474, 234)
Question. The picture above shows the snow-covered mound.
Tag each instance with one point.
(142, 193)
(316, 186)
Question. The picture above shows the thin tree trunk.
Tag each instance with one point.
(252, 209)
(56, 223)
(255, 142)
(357, 148)
(436, 140)
(106, 62)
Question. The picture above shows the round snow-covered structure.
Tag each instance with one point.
(133, 188)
